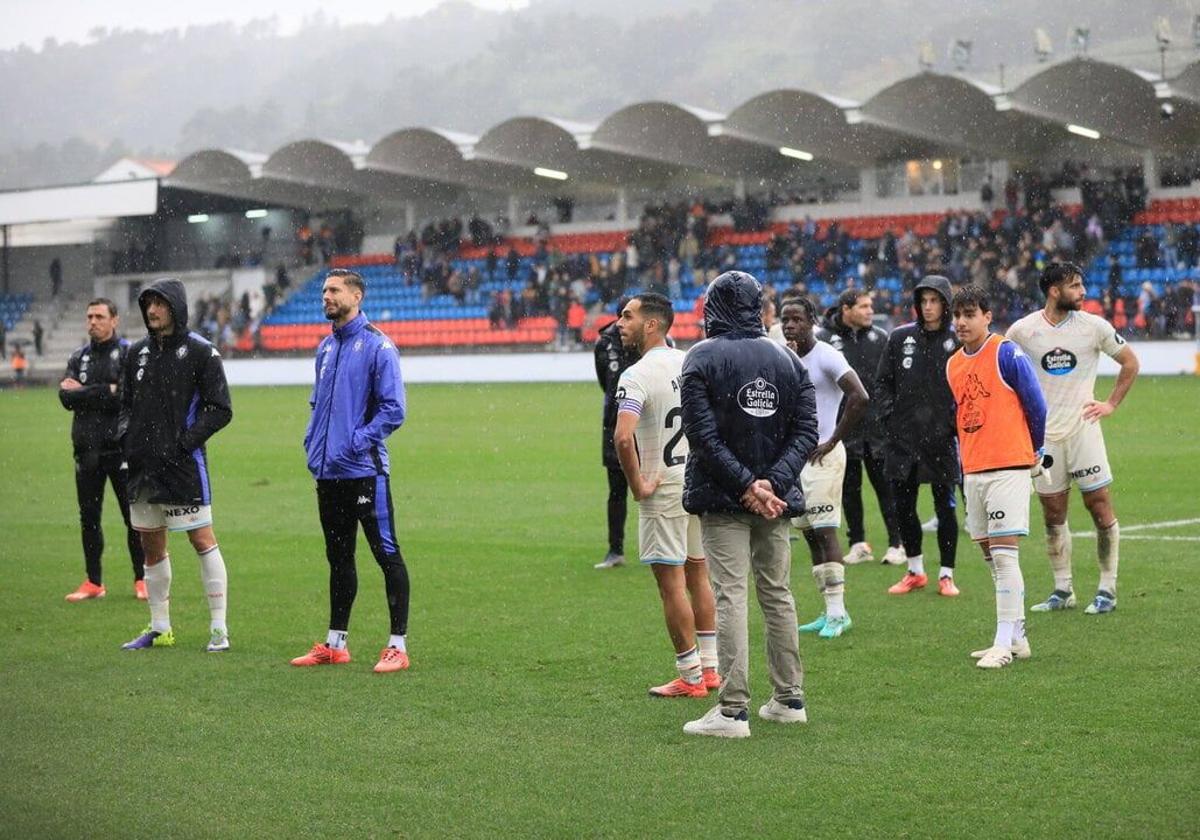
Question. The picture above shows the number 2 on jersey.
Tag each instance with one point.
(670, 459)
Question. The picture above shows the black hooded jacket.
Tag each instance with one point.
(863, 348)
(100, 422)
(177, 398)
(916, 407)
(749, 408)
(611, 361)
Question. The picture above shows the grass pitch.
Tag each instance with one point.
(525, 712)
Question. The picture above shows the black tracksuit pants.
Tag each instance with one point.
(618, 492)
(852, 498)
(344, 504)
(905, 492)
(93, 471)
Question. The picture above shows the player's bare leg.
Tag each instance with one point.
(216, 584)
(158, 592)
(1058, 549)
(1108, 538)
(829, 571)
(677, 610)
(704, 617)
(1001, 555)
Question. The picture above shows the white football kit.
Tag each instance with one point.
(650, 388)
(1065, 357)
(822, 483)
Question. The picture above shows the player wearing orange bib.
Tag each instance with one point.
(1001, 419)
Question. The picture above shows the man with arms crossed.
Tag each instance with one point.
(821, 479)
(92, 390)
(852, 332)
(612, 358)
(175, 392)
(1065, 345)
(652, 451)
(357, 401)
(750, 420)
(1001, 420)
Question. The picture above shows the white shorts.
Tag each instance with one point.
(998, 503)
(1081, 458)
(151, 516)
(822, 488)
(669, 540)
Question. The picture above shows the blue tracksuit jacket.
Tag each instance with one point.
(357, 401)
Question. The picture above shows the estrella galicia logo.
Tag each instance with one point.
(759, 398)
(1059, 362)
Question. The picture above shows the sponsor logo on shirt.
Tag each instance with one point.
(1059, 362)
(1085, 472)
(758, 398)
(996, 515)
(818, 509)
(182, 511)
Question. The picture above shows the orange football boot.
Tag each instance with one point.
(139, 590)
(323, 654)
(87, 590)
(908, 583)
(679, 688)
(711, 680)
(391, 659)
(946, 587)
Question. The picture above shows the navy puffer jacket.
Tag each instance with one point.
(749, 408)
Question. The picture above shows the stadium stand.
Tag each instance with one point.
(12, 308)
(884, 253)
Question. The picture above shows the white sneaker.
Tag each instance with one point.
(1020, 650)
(930, 526)
(860, 552)
(783, 712)
(610, 561)
(218, 641)
(894, 556)
(720, 725)
(995, 657)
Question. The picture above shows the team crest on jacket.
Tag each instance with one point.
(759, 398)
(181, 352)
(948, 345)
(871, 336)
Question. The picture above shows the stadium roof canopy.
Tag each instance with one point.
(1079, 109)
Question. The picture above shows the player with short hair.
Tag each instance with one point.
(1001, 419)
(175, 392)
(823, 473)
(91, 390)
(652, 452)
(1065, 345)
(357, 401)
(851, 329)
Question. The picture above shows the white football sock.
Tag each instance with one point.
(396, 642)
(688, 665)
(707, 642)
(1010, 593)
(946, 571)
(158, 594)
(916, 565)
(336, 639)
(831, 579)
(1108, 541)
(216, 584)
(1058, 549)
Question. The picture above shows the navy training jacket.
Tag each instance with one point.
(357, 401)
(749, 407)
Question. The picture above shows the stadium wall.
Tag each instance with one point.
(1157, 357)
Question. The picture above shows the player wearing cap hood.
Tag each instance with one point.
(916, 409)
(175, 392)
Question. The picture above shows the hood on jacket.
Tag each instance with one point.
(939, 284)
(172, 291)
(733, 303)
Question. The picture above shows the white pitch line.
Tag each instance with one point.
(1126, 530)
(1145, 526)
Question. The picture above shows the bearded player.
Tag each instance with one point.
(1065, 344)
(652, 451)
